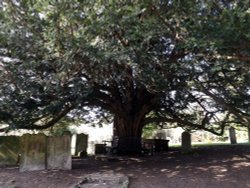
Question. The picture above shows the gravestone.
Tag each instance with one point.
(232, 135)
(81, 144)
(161, 145)
(9, 150)
(100, 149)
(59, 152)
(186, 140)
(33, 152)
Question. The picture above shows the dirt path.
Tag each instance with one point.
(215, 167)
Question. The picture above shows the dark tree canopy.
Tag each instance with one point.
(139, 62)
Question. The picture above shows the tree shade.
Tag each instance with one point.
(138, 62)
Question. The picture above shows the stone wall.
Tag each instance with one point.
(9, 150)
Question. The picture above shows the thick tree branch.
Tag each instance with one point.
(165, 22)
(184, 123)
(242, 116)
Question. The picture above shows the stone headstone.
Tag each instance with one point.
(81, 144)
(100, 149)
(59, 152)
(9, 150)
(232, 135)
(161, 145)
(186, 140)
(33, 152)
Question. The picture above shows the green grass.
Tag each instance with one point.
(208, 144)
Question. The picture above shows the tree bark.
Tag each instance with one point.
(128, 132)
(248, 131)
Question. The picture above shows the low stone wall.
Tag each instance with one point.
(9, 150)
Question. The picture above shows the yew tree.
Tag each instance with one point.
(166, 62)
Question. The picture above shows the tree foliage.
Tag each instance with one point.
(139, 61)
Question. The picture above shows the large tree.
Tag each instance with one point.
(140, 62)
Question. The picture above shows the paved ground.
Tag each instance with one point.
(215, 167)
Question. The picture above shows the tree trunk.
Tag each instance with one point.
(248, 130)
(128, 132)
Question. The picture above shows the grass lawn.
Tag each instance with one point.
(208, 144)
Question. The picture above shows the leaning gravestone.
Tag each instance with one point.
(33, 154)
(59, 152)
(81, 144)
(9, 150)
(186, 141)
(232, 135)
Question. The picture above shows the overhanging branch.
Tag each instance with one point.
(40, 126)
(182, 122)
(242, 116)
